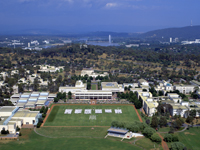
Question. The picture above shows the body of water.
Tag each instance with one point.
(103, 44)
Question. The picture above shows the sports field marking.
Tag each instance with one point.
(52, 106)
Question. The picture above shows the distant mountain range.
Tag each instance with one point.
(189, 32)
(183, 32)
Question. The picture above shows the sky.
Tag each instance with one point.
(73, 16)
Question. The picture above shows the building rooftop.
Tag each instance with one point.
(40, 102)
(109, 84)
(142, 80)
(94, 91)
(3, 118)
(30, 103)
(179, 106)
(195, 82)
(7, 109)
(25, 113)
(20, 104)
(117, 130)
(11, 123)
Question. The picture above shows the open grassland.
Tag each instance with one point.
(190, 138)
(148, 144)
(31, 141)
(58, 118)
(98, 132)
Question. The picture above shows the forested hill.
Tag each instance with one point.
(188, 32)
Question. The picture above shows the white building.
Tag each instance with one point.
(79, 86)
(143, 82)
(112, 86)
(12, 116)
(185, 89)
(93, 94)
(91, 73)
(174, 97)
(132, 45)
(149, 105)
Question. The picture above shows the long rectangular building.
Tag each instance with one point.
(93, 94)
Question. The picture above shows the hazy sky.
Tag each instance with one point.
(97, 15)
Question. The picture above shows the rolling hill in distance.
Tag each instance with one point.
(188, 32)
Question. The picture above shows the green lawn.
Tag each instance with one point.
(190, 138)
(73, 131)
(148, 144)
(58, 118)
(93, 87)
(31, 141)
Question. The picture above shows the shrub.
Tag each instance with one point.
(17, 129)
(148, 132)
(175, 138)
(155, 138)
(177, 146)
(43, 115)
(39, 124)
(4, 131)
(168, 138)
(189, 119)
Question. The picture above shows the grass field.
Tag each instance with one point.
(31, 141)
(58, 118)
(190, 138)
(93, 87)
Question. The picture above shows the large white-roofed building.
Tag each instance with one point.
(149, 105)
(12, 116)
(91, 73)
(112, 86)
(185, 89)
(29, 117)
(93, 94)
(78, 87)
(31, 100)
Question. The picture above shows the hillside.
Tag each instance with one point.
(188, 32)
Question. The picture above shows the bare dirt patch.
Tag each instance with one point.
(188, 133)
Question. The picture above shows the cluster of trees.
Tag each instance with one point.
(133, 126)
(3, 131)
(151, 134)
(43, 110)
(60, 96)
(170, 138)
(131, 97)
(138, 127)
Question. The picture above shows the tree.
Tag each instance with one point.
(168, 138)
(148, 132)
(155, 138)
(177, 146)
(138, 104)
(154, 122)
(69, 95)
(20, 88)
(189, 119)
(162, 121)
(148, 121)
(56, 100)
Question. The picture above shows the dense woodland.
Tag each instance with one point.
(124, 65)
